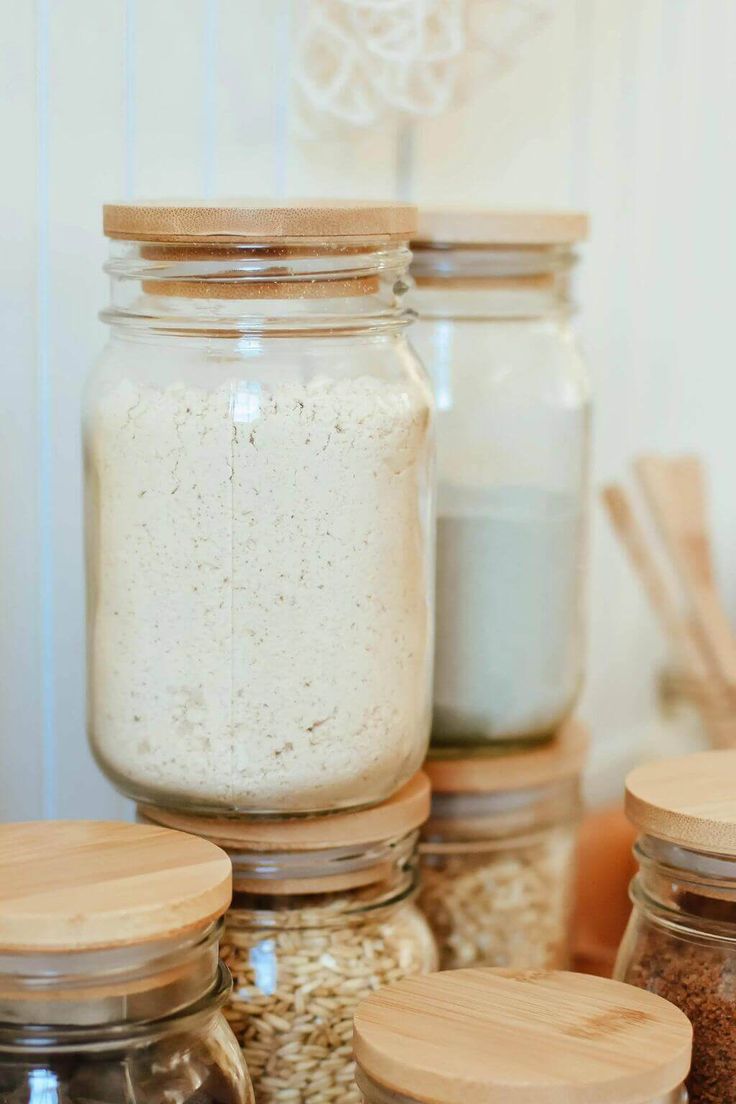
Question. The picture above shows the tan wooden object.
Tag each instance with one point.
(504, 1037)
(479, 226)
(689, 800)
(76, 885)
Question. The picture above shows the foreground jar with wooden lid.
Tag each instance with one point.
(513, 408)
(322, 915)
(681, 939)
(498, 855)
(258, 442)
(510, 1037)
(110, 985)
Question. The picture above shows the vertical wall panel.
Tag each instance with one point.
(21, 709)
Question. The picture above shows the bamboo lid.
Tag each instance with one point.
(402, 813)
(504, 1037)
(257, 220)
(554, 761)
(689, 800)
(481, 226)
(71, 885)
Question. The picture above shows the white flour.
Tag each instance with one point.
(508, 613)
(260, 630)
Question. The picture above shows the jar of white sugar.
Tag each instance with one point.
(259, 446)
(322, 915)
(498, 855)
(492, 292)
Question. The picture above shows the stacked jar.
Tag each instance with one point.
(510, 1037)
(513, 410)
(681, 939)
(110, 984)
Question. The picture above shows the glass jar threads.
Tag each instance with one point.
(110, 985)
(492, 293)
(258, 442)
(681, 939)
(508, 1037)
(322, 915)
(498, 855)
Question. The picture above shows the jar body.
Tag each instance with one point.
(513, 424)
(680, 943)
(496, 888)
(299, 972)
(260, 559)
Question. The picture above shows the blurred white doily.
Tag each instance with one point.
(359, 61)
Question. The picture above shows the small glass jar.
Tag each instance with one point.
(322, 915)
(498, 855)
(493, 297)
(259, 472)
(681, 938)
(519, 1037)
(110, 985)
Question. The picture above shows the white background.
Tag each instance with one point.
(622, 107)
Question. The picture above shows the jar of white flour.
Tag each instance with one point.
(513, 412)
(258, 442)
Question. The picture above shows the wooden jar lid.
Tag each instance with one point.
(257, 221)
(481, 226)
(558, 759)
(506, 1037)
(402, 813)
(74, 885)
(689, 800)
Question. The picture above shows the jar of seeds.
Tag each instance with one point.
(681, 938)
(498, 855)
(509, 1037)
(322, 915)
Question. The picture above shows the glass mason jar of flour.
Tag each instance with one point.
(519, 1037)
(258, 441)
(110, 985)
(322, 915)
(492, 292)
(498, 855)
(681, 938)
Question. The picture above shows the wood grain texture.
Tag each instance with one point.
(504, 1037)
(74, 885)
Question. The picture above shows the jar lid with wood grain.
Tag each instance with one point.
(505, 1037)
(235, 221)
(689, 801)
(489, 227)
(85, 885)
(555, 760)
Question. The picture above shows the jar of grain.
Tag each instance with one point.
(493, 295)
(498, 855)
(322, 915)
(510, 1037)
(258, 441)
(681, 938)
(110, 985)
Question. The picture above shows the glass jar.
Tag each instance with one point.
(502, 1037)
(110, 985)
(322, 915)
(498, 856)
(259, 470)
(492, 293)
(681, 938)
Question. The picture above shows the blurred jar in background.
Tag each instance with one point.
(492, 293)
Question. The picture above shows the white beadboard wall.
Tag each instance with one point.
(623, 107)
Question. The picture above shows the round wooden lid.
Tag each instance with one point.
(479, 226)
(558, 759)
(71, 885)
(506, 1037)
(689, 800)
(402, 813)
(257, 220)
